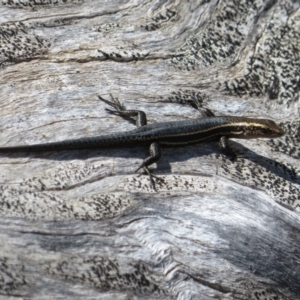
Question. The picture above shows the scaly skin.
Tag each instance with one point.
(177, 133)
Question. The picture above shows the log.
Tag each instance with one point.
(83, 224)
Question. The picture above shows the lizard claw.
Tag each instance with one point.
(115, 103)
(141, 166)
(151, 176)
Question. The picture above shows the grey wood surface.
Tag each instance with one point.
(82, 224)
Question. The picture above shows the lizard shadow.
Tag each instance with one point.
(169, 155)
(271, 165)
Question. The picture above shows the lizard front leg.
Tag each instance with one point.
(226, 148)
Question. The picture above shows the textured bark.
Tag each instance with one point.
(82, 224)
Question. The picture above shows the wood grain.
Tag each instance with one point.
(82, 224)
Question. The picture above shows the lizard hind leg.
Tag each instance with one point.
(155, 154)
(135, 116)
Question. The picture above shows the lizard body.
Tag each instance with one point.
(176, 133)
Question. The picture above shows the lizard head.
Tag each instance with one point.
(258, 128)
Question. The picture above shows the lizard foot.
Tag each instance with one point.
(151, 176)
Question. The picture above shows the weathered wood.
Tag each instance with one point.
(82, 224)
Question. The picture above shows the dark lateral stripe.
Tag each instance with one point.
(200, 136)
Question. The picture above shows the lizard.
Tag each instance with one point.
(174, 134)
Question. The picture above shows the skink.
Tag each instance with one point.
(175, 134)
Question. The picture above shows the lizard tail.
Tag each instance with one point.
(97, 142)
